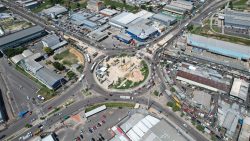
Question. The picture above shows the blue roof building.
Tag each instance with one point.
(219, 47)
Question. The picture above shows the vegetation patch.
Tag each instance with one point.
(10, 52)
(121, 5)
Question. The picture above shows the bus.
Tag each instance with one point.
(37, 132)
(93, 67)
(176, 99)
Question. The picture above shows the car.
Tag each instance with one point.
(40, 97)
(81, 136)
(103, 121)
(92, 139)
(3, 136)
(94, 127)
(50, 107)
(104, 116)
(78, 139)
(99, 124)
(90, 130)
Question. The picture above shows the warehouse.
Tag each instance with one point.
(175, 9)
(183, 4)
(239, 89)
(219, 47)
(21, 37)
(123, 38)
(124, 19)
(97, 35)
(237, 19)
(55, 10)
(108, 12)
(165, 19)
(139, 127)
(141, 31)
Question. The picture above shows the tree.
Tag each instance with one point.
(231, 5)
(71, 75)
(190, 27)
(59, 66)
(172, 89)
(78, 5)
(200, 127)
(150, 9)
(48, 50)
(28, 125)
(156, 93)
(170, 104)
(143, 7)
(176, 108)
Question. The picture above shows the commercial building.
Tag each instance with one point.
(95, 5)
(54, 11)
(94, 111)
(237, 19)
(219, 47)
(205, 78)
(21, 37)
(97, 35)
(30, 4)
(141, 31)
(245, 130)
(165, 19)
(53, 41)
(138, 127)
(239, 89)
(230, 123)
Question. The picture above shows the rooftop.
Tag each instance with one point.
(163, 17)
(240, 89)
(56, 10)
(202, 98)
(237, 18)
(219, 47)
(20, 34)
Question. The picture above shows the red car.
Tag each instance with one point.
(94, 127)
(103, 121)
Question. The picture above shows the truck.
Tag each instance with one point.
(22, 114)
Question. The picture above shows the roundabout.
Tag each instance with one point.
(121, 73)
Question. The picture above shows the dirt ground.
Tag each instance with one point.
(79, 56)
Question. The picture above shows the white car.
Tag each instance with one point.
(40, 97)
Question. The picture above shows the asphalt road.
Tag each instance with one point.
(57, 101)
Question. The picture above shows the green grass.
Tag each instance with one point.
(240, 2)
(204, 32)
(42, 6)
(66, 57)
(110, 105)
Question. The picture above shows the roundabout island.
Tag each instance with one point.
(121, 73)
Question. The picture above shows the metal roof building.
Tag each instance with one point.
(188, 5)
(202, 99)
(141, 30)
(174, 9)
(245, 130)
(237, 19)
(108, 12)
(202, 82)
(50, 40)
(230, 123)
(49, 78)
(55, 10)
(239, 89)
(21, 37)
(219, 47)
(149, 128)
(165, 19)
(94, 111)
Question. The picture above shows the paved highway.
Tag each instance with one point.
(74, 89)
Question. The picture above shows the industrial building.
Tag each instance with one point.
(202, 100)
(219, 47)
(205, 78)
(179, 7)
(239, 89)
(95, 5)
(139, 127)
(30, 4)
(124, 19)
(237, 19)
(83, 19)
(21, 37)
(245, 130)
(142, 30)
(108, 12)
(165, 19)
(55, 11)
(124, 38)
(43, 74)
(53, 41)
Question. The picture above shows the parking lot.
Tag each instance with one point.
(96, 127)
